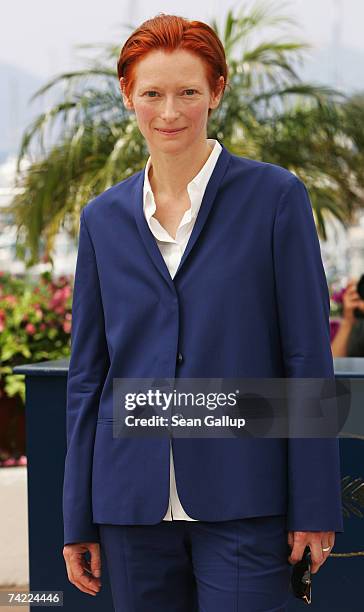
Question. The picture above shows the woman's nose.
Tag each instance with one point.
(169, 109)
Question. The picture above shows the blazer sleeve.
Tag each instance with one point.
(89, 363)
(314, 478)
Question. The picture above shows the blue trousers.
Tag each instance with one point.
(185, 566)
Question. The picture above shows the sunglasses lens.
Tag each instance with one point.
(301, 579)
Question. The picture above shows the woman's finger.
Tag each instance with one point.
(317, 556)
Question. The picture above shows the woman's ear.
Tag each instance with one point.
(127, 102)
(217, 94)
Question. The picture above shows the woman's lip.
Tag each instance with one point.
(170, 131)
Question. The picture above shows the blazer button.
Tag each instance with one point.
(179, 358)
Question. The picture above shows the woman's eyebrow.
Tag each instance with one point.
(154, 86)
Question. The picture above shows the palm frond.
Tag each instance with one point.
(353, 496)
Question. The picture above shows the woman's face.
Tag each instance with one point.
(171, 92)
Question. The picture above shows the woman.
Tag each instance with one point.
(194, 268)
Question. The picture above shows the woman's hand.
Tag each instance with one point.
(351, 300)
(84, 574)
(316, 540)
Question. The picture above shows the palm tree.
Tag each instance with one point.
(265, 112)
(316, 132)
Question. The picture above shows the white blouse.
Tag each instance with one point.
(172, 251)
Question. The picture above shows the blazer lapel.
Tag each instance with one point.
(206, 204)
(207, 201)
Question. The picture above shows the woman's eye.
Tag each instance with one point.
(153, 94)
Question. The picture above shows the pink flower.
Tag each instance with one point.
(66, 327)
(59, 297)
(39, 313)
(30, 329)
(337, 296)
(10, 299)
(2, 320)
(9, 462)
(334, 326)
(42, 326)
(59, 310)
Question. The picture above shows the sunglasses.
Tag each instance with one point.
(301, 577)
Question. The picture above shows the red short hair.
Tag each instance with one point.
(169, 33)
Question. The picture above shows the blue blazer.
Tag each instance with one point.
(249, 299)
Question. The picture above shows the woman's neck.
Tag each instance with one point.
(169, 175)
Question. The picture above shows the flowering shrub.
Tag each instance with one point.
(336, 302)
(35, 325)
(336, 310)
